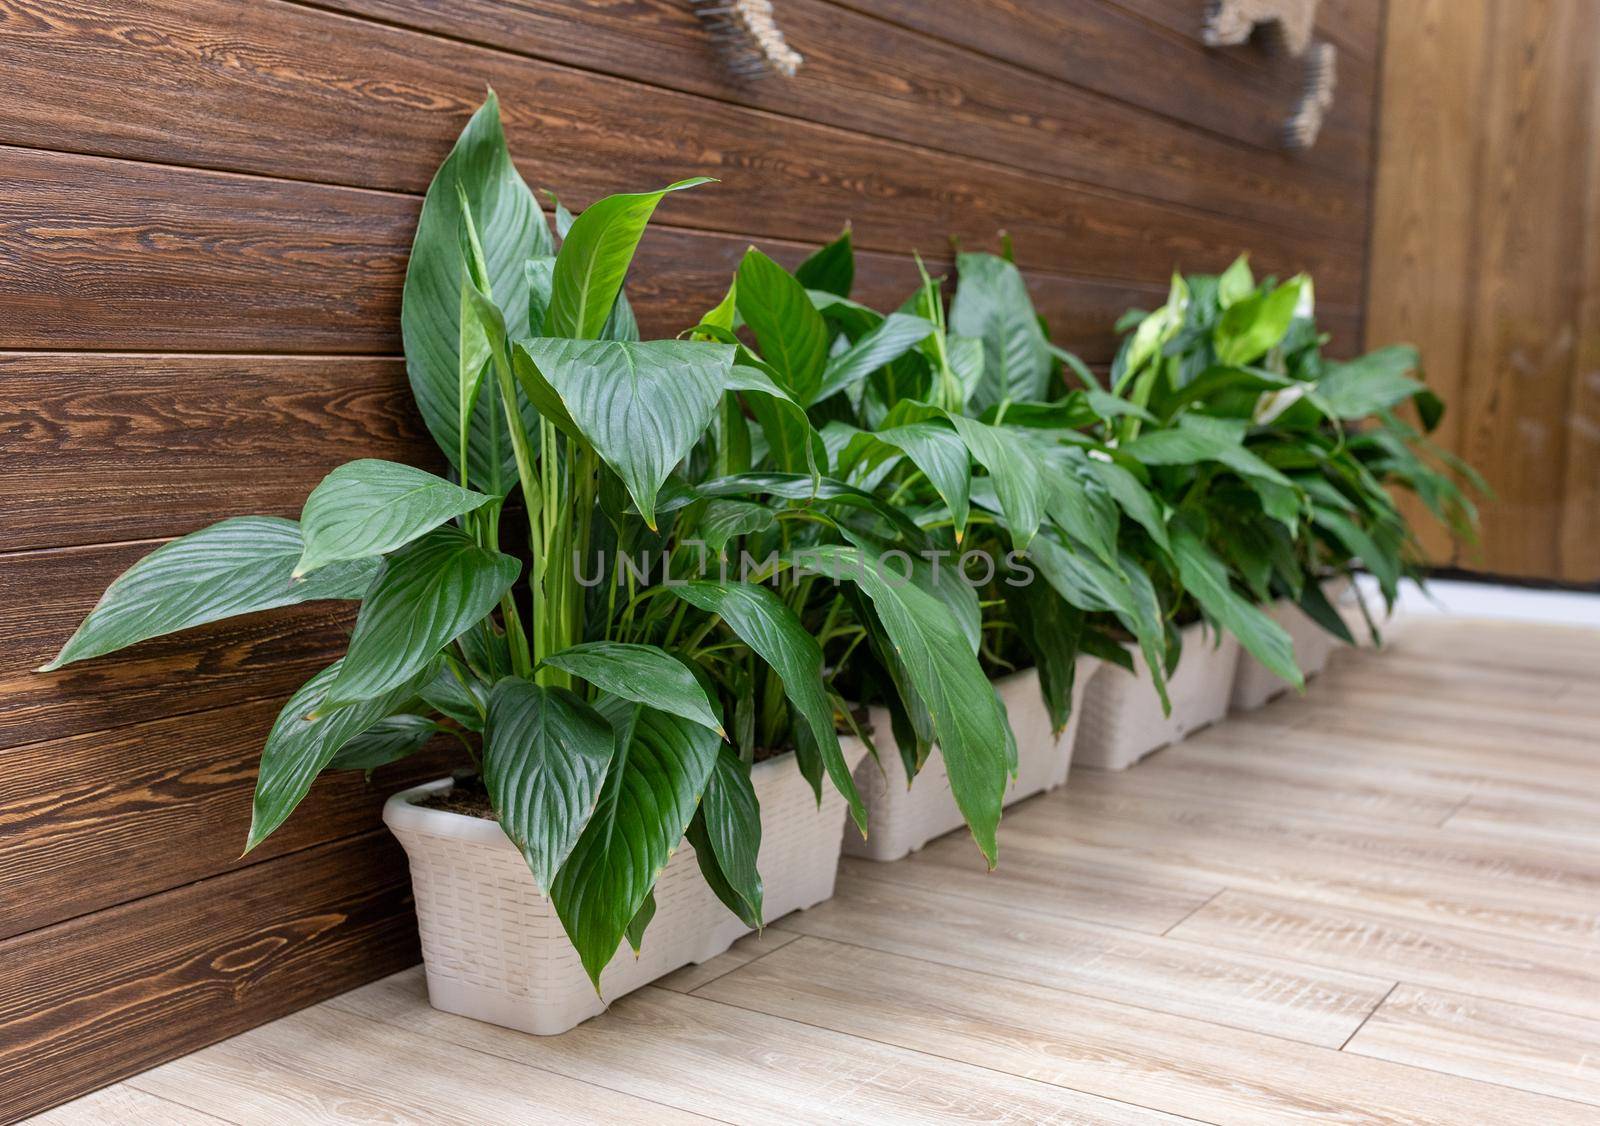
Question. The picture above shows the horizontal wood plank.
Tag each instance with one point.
(105, 448)
(1239, 92)
(1259, 992)
(131, 791)
(330, 1066)
(1192, 1068)
(700, 1056)
(878, 78)
(1491, 1041)
(101, 997)
(1522, 971)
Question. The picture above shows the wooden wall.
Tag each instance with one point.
(1486, 253)
(205, 209)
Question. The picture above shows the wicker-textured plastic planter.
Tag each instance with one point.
(494, 949)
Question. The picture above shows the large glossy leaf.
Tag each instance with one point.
(726, 835)
(790, 333)
(1138, 502)
(233, 567)
(306, 737)
(657, 774)
(759, 618)
(1081, 505)
(389, 740)
(725, 520)
(643, 674)
(641, 406)
(992, 304)
(1251, 326)
(1049, 628)
(796, 486)
(892, 338)
(594, 259)
(1204, 576)
(428, 594)
(1369, 384)
(966, 717)
(511, 230)
(372, 507)
(545, 755)
(831, 268)
(1197, 439)
(793, 444)
(1014, 465)
(943, 458)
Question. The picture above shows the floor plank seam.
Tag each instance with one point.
(1459, 806)
(1212, 899)
(1381, 1002)
(133, 1084)
(1100, 997)
(695, 992)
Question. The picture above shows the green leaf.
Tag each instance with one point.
(966, 715)
(992, 304)
(1197, 438)
(641, 406)
(892, 338)
(299, 746)
(726, 835)
(1370, 384)
(792, 336)
(1204, 576)
(233, 567)
(831, 268)
(427, 595)
(594, 259)
(1236, 282)
(793, 444)
(943, 458)
(641, 673)
(640, 921)
(650, 794)
(1313, 602)
(1133, 498)
(545, 755)
(1253, 325)
(512, 230)
(1082, 506)
(724, 520)
(389, 740)
(1049, 628)
(1014, 465)
(773, 631)
(372, 507)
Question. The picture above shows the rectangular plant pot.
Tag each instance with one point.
(1254, 684)
(494, 950)
(902, 818)
(1122, 720)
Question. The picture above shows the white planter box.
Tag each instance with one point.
(494, 949)
(1122, 720)
(1254, 684)
(901, 818)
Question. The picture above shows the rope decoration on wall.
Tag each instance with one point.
(747, 35)
(1288, 25)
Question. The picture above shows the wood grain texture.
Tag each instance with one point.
(1098, 44)
(115, 992)
(562, 124)
(101, 448)
(704, 1057)
(1186, 1067)
(118, 1106)
(131, 791)
(334, 1066)
(1483, 254)
(878, 78)
(1258, 992)
(1511, 1045)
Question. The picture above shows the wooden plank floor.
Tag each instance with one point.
(1376, 902)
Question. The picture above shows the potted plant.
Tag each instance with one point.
(593, 713)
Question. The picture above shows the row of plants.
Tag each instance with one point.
(649, 565)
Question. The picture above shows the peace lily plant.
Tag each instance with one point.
(611, 710)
